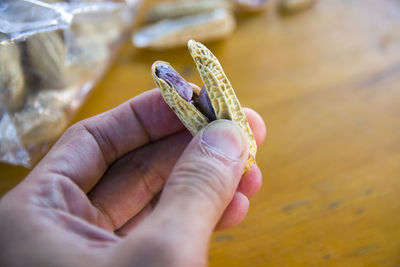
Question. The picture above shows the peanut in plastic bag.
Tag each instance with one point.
(51, 54)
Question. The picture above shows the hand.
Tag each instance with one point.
(94, 199)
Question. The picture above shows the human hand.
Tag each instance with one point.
(94, 199)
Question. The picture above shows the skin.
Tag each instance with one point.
(94, 199)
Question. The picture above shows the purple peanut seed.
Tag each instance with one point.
(176, 81)
(205, 106)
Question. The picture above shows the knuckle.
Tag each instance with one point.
(74, 129)
(100, 130)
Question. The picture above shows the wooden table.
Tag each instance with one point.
(327, 82)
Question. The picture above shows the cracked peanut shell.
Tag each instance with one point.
(220, 92)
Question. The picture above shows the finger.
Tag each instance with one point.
(138, 218)
(257, 125)
(250, 182)
(234, 213)
(133, 181)
(135, 221)
(85, 151)
(199, 189)
(238, 207)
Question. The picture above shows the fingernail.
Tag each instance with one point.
(225, 137)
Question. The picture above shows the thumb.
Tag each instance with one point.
(200, 187)
(194, 198)
(206, 176)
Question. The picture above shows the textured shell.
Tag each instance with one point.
(223, 98)
(213, 78)
(192, 118)
(181, 8)
(166, 34)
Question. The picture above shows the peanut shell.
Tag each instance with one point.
(295, 6)
(12, 81)
(181, 8)
(47, 53)
(166, 34)
(222, 96)
(251, 5)
(44, 116)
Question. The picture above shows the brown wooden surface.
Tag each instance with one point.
(327, 83)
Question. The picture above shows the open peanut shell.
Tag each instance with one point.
(217, 93)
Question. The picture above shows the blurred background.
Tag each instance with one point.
(326, 80)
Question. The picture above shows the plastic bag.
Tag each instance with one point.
(51, 54)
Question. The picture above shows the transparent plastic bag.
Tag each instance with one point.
(51, 54)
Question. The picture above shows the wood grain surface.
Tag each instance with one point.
(327, 83)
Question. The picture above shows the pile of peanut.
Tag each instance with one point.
(171, 24)
(45, 74)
